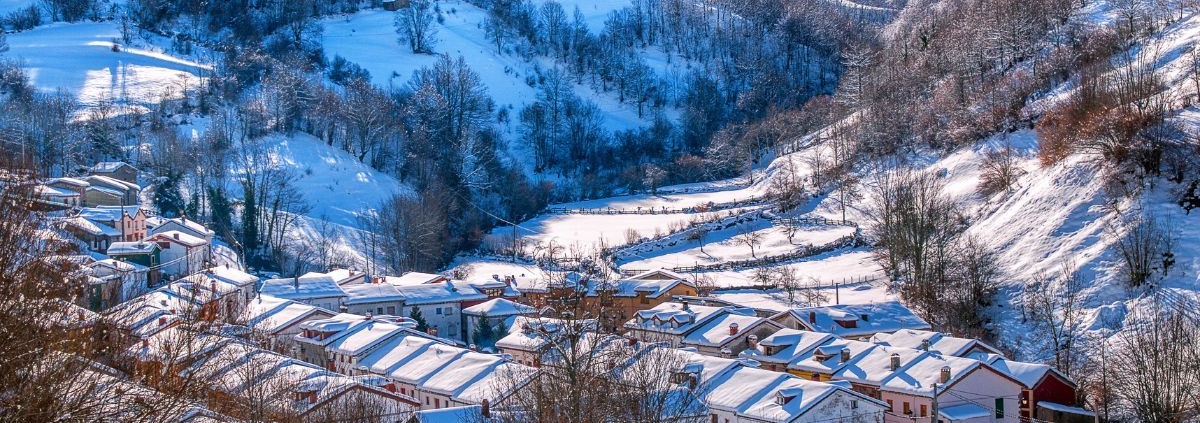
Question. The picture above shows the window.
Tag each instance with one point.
(907, 409)
(439, 310)
(890, 406)
(853, 404)
(924, 410)
(713, 419)
(391, 310)
(379, 310)
(999, 408)
(437, 403)
(449, 310)
(426, 400)
(816, 376)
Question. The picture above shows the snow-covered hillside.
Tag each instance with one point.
(79, 58)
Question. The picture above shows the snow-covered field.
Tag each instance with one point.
(79, 58)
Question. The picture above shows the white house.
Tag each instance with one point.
(441, 305)
(314, 289)
(159, 225)
(181, 254)
(853, 321)
(494, 310)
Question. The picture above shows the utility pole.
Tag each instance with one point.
(934, 419)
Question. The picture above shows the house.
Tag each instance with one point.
(909, 380)
(529, 338)
(493, 312)
(416, 278)
(412, 373)
(344, 277)
(315, 289)
(129, 221)
(441, 304)
(78, 186)
(148, 314)
(61, 198)
(852, 321)
(316, 335)
(283, 389)
(823, 361)
(159, 225)
(121, 281)
(229, 291)
(278, 320)
(182, 254)
(373, 298)
(618, 301)
(106, 191)
(716, 331)
(349, 348)
(778, 350)
(1047, 394)
(140, 252)
(935, 341)
(97, 236)
(495, 287)
(117, 170)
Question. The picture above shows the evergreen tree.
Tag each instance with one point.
(192, 211)
(220, 211)
(249, 221)
(484, 334)
(167, 197)
(415, 314)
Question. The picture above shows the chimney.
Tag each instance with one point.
(368, 316)
(213, 286)
(485, 409)
(925, 345)
(145, 342)
(865, 317)
(812, 317)
(176, 235)
(685, 305)
(753, 342)
(312, 397)
(162, 320)
(473, 347)
(845, 355)
(895, 362)
(733, 328)
(945, 377)
(296, 282)
(391, 387)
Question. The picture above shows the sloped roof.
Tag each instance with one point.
(91, 226)
(363, 337)
(887, 316)
(415, 278)
(181, 238)
(269, 313)
(108, 213)
(429, 361)
(443, 292)
(469, 413)
(938, 342)
(69, 181)
(111, 182)
(131, 248)
(499, 307)
(370, 293)
(307, 287)
(917, 376)
(830, 351)
(715, 332)
(793, 342)
(673, 318)
(394, 353)
(109, 167)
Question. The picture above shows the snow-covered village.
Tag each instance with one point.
(600, 211)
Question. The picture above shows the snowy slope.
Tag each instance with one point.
(369, 39)
(79, 58)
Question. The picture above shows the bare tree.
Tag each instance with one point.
(1153, 368)
(750, 238)
(415, 25)
(1056, 306)
(1147, 248)
(1000, 171)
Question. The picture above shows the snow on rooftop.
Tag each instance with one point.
(108, 213)
(917, 376)
(180, 238)
(133, 247)
(826, 358)
(716, 331)
(740, 386)
(69, 181)
(1029, 374)
(371, 293)
(310, 286)
(496, 384)
(468, 368)
(111, 182)
(108, 167)
(789, 343)
(92, 227)
(499, 307)
(875, 365)
(468, 413)
(415, 278)
(849, 320)
(672, 317)
(269, 313)
(364, 336)
(801, 396)
(425, 363)
(442, 292)
(964, 412)
(394, 353)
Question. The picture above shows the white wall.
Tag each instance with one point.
(446, 317)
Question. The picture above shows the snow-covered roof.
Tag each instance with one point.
(109, 167)
(530, 333)
(962, 412)
(424, 364)
(345, 276)
(937, 342)
(269, 313)
(496, 384)
(676, 318)
(47, 191)
(92, 227)
(739, 386)
(108, 213)
(1029, 374)
(187, 226)
(802, 396)
(121, 266)
(370, 293)
(851, 320)
(499, 307)
(653, 288)
(131, 248)
(307, 287)
(919, 374)
(69, 181)
(394, 352)
(1054, 406)
(415, 278)
(826, 357)
(111, 182)
(180, 238)
(874, 366)
(657, 274)
(442, 292)
(361, 338)
(468, 413)
(464, 370)
(786, 344)
(229, 275)
(715, 332)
